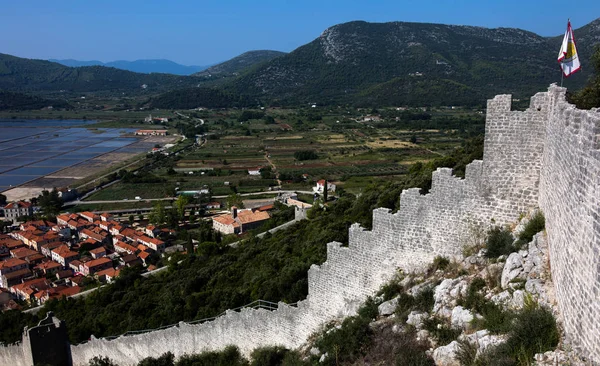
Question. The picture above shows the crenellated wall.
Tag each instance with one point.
(547, 156)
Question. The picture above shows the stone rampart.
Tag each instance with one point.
(570, 199)
(529, 160)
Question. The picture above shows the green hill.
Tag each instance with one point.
(395, 63)
(240, 63)
(25, 75)
(20, 101)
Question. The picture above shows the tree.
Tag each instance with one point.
(50, 202)
(325, 191)
(2, 199)
(179, 205)
(589, 97)
(157, 216)
(131, 219)
(189, 245)
(235, 200)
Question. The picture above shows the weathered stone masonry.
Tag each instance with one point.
(546, 156)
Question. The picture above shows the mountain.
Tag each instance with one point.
(241, 62)
(190, 98)
(20, 101)
(141, 66)
(414, 63)
(39, 76)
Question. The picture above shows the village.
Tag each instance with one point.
(42, 260)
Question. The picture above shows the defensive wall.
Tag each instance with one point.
(545, 156)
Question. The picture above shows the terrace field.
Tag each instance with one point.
(299, 147)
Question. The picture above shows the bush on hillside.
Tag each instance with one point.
(536, 223)
(499, 242)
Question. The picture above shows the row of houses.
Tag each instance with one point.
(43, 260)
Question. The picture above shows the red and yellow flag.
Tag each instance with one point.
(567, 56)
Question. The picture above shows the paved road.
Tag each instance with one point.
(71, 203)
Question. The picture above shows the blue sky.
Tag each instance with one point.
(205, 32)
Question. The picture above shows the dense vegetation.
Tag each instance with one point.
(20, 74)
(240, 63)
(589, 97)
(20, 101)
(400, 63)
(219, 277)
(198, 97)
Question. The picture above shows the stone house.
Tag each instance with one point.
(239, 222)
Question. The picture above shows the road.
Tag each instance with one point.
(72, 203)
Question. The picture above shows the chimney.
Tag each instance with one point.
(233, 212)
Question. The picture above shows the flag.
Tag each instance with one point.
(567, 56)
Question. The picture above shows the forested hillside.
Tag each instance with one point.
(399, 63)
(25, 75)
(190, 98)
(20, 101)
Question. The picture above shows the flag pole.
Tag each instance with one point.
(562, 73)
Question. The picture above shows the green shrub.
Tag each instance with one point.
(534, 331)
(412, 352)
(230, 356)
(101, 361)
(347, 342)
(495, 318)
(369, 310)
(467, 353)
(390, 290)
(404, 306)
(167, 359)
(474, 299)
(268, 356)
(441, 330)
(536, 224)
(424, 300)
(440, 263)
(499, 242)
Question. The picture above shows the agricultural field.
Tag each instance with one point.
(295, 148)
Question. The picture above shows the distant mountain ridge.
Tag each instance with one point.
(241, 62)
(45, 77)
(399, 63)
(142, 66)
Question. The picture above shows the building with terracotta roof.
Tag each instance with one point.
(239, 222)
(155, 244)
(64, 255)
(27, 290)
(48, 248)
(108, 275)
(96, 265)
(17, 209)
(213, 205)
(98, 252)
(122, 247)
(15, 277)
(48, 268)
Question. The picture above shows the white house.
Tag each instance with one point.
(321, 186)
(255, 171)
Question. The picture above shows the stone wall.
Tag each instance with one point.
(570, 199)
(548, 153)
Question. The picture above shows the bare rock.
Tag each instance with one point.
(461, 317)
(388, 307)
(416, 318)
(512, 269)
(446, 355)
